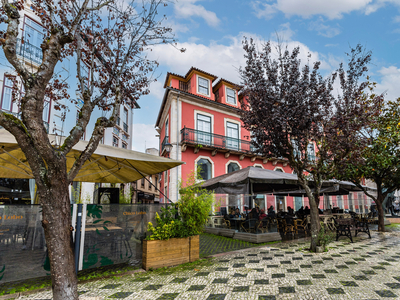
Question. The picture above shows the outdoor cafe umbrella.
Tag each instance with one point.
(108, 164)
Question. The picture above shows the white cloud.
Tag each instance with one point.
(144, 136)
(333, 9)
(390, 78)
(284, 33)
(187, 8)
(323, 29)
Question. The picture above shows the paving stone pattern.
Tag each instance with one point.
(278, 271)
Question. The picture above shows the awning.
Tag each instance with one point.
(108, 164)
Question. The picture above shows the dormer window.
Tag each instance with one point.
(230, 96)
(203, 86)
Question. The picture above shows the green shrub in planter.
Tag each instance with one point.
(194, 204)
(185, 218)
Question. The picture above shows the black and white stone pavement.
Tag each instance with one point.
(365, 269)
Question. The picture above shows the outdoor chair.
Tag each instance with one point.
(343, 228)
(249, 225)
(362, 226)
(301, 224)
(228, 223)
(284, 227)
(263, 225)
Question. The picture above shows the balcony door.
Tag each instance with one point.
(232, 136)
(203, 129)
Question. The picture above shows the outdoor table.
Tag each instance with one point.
(237, 222)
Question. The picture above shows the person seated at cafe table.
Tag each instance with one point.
(232, 214)
(290, 211)
(306, 211)
(237, 213)
(262, 215)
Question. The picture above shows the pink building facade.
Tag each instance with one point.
(200, 118)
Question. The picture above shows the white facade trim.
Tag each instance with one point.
(279, 168)
(258, 165)
(232, 161)
(197, 85)
(210, 160)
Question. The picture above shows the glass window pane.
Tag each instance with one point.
(232, 167)
(205, 169)
(6, 103)
(230, 96)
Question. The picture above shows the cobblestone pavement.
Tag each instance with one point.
(365, 269)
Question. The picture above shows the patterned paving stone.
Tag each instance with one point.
(394, 285)
(386, 293)
(304, 282)
(216, 297)
(293, 270)
(349, 283)
(202, 274)
(335, 291)
(239, 275)
(179, 280)
(168, 296)
(238, 289)
(196, 287)
(153, 287)
(220, 280)
(360, 277)
(110, 286)
(261, 281)
(122, 295)
(221, 269)
(318, 276)
(277, 275)
(286, 289)
(266, 298)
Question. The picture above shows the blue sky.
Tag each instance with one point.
(212, 32)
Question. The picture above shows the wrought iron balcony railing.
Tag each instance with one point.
(164, 142)
(125, 127)
(197, 137)
(29, 51)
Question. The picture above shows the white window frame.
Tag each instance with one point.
(258, 165)
(13, 79)
(232, 161)
(212, 165)
(226, 94)
(197, 112)
(279, 168)
(197, 86)
(226, 120)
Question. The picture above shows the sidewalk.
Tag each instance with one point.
(366, 269)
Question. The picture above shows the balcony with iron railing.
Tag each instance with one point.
(125, 127)
(164, 142)
(215, 141)
(29, 51)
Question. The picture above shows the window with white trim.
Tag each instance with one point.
(115, 141)
(33, 32)
(232, 167)
(6, 99)
(203, 86)
(205, 168)
(124, 145)
(230, 96)
(203, 129)
(232, 136)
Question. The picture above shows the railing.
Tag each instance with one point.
(184, 86)
(165, 141)
(29, 51)
(203, 138)
(125, 127)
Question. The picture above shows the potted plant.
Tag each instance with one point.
(175, 238)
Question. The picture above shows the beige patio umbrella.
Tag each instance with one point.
(108, 164)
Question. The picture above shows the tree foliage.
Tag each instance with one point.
(292, 108)
(111, 37)
(376, 155)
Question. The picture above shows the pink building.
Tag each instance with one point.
(200, 118)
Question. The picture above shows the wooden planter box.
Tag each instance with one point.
(172, 252)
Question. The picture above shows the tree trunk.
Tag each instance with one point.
(381, 214)
(56, 223)
(315, 224)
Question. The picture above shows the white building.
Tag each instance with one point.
(58, 122)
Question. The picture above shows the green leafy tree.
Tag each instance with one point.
(376, 155)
